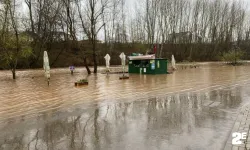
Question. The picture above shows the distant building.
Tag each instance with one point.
(183, 37)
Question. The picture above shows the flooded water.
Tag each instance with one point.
(189, 109)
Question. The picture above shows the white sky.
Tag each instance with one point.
(131, 5)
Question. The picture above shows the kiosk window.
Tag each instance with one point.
(145, 63)
(137, 63)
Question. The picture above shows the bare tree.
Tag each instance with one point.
(13, 45)
(92, 23)
(150, 16)
(43, 28)
(72, 26)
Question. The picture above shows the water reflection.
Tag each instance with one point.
(191, 120)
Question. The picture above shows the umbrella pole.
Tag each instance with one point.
(123, 70)
(107, 71)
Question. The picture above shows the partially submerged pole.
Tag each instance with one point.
(72, 68)
(123, 61)
(173, 63)
(46, 66)
(107, 58)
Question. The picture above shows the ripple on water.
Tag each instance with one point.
(29, 94)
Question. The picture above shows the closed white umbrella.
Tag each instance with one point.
(107, 58)
(123, 60)
(173, 63)
(46, 66)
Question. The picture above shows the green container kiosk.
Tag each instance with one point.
(148, 66)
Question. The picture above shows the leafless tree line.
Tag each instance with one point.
(185, 22)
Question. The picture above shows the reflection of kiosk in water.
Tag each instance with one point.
(147, 64)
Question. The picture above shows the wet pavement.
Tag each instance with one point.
(190, 109)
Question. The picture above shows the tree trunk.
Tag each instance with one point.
(86, 65)
(94, 56)
(95, 63)
(14, 73)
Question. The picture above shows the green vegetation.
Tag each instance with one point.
(233, 56)
(13, 45)
(83, 81)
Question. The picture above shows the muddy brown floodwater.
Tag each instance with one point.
(193, 108)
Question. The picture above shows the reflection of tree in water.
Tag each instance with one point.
(53, 132)
(13, 143)
(58, 134)
(231, 98)
(96, 130)
(169, 113)
(35, 138)
(101, 127)
(228, 97)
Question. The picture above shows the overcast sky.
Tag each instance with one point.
(131, 3)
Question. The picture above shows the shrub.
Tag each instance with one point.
(82, 81)
(233, 56)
